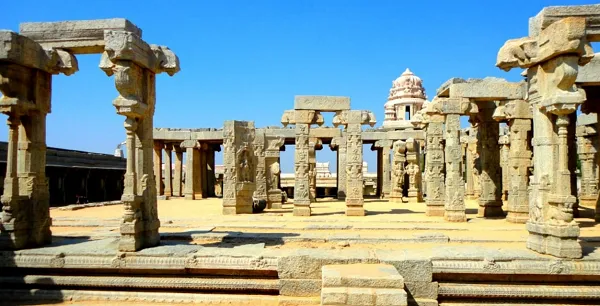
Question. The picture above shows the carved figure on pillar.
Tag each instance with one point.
(274, 197)
(434, 159)
(413, 170)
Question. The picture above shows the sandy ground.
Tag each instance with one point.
(382, 220)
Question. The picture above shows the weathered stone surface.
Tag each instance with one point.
(76, 36)
(362, 276)
(488, 89)
(423, 290)
(551, 14)
(413, 268)
(299, 287)
(590, 74)
(321, 103)
(240, 167)
(307, 264)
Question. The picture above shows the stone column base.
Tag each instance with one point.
(415, 198)
(189, 197)
(455, 216)
(490, 209)
(274, 199)
(434, 210)
(558, 240)
(517, 217)
(302, 210)
(355, 211)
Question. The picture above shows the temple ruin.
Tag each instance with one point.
(528, 160)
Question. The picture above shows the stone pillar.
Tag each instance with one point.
(469, 167)
(413, 169)
(259, 154)
(385, 146)
(25, 97)
(587, 141)
(239, 167)
(398, 170)
(313, 144)
(178, 176)
(490, 201)
(190, 171)
(354, 164)
(519, 162)
(504, 142)
(210, 169)
(168, 170)
(274, 197)
(339, 143)
(455, 187)
(202, 152)
(554, 54)
(197, 172)
(301, 163)
(158, 148)
(135, 80)
(435, 166)
(474, 158)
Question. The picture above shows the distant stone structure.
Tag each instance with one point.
(406, 98)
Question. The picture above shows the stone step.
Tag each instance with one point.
(521, 291)
(363, 296)
(83, 297)
(362, 276)
(221, 284)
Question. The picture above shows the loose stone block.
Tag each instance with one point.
(425, 290)
(321, 103)
(390, 297)
(362, 275)
(334, 296)
(76, 36)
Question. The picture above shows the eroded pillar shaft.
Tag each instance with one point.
(178, 175)
(455, 187)
(434, 166)
(168, 170)
(519, 163)
(490, 201)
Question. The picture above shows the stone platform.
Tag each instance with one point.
(278, 258)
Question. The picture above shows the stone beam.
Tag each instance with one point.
(590, 73)
(76, 36)
(488, 89)
(551, 14)
(325, 132)
(322, 103)
(21, 50)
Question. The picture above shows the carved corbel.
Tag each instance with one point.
(275, 143)
(368, 117)
(318, 119)
(556, 85)
(167, 61)
(288, 118)
(340, 118)
(500, 113)
(128, 81)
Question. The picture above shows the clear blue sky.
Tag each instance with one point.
(246, 60)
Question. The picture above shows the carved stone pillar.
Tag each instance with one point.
(260, 162)
(519, 162)
(274, 198)
(435, 166)
(385, 147)
(354, 165)
(168, 170)
(490, 201)
(587, 150)
(191, 171)
(313, 143)
(339, 144)
(25, 86)
(158, 148)
(413, 169)
(552, 57)
(398, 170)
(301, 163)
(504, 142)
(177, 177)
(135, 80)
(455, 187)
(239, 162)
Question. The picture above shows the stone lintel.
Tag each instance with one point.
(283, 132)
(76, 36)
(587, 119)
(488, 89)
(590, 73)
(550, 14)
(207, 135)
(165, 134)
(444, 90)
(322, 103)
(21, 50)
(325, 132)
